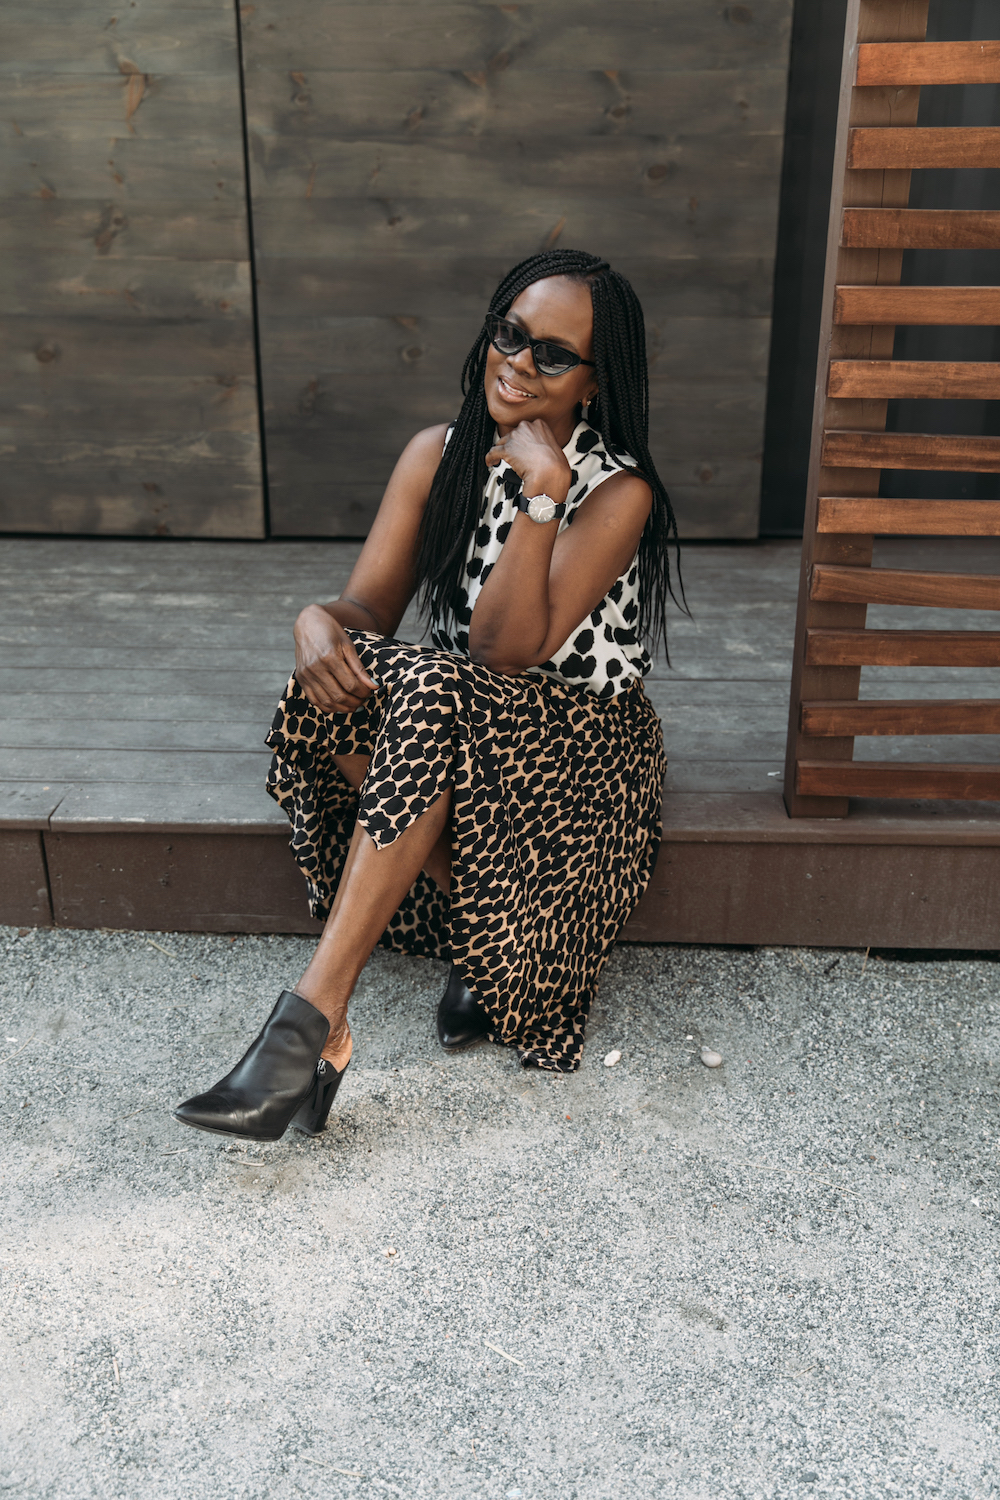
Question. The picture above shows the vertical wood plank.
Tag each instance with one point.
(128, 392)
(404, 157)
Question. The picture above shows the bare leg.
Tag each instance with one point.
(372, 886)
(354, 769)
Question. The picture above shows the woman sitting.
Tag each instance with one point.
(492, 799)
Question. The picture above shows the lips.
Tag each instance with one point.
(513, 393)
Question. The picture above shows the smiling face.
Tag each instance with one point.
(561, 311)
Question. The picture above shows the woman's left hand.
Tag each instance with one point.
(532, 451)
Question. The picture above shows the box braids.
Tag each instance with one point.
(620, 413)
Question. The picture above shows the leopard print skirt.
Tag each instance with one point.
(555, 824)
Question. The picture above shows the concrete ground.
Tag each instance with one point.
(775, 1278)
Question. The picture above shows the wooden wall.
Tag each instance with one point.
(127, 362)
(404, 155)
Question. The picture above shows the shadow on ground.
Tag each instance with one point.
(775, 1278)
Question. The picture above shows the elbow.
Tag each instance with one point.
(496, 661)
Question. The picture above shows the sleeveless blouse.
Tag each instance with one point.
(605, 653)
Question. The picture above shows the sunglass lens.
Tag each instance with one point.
(506, 337)
(551, 360)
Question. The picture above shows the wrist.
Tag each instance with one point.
(551, 481)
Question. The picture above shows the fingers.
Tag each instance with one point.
(334, 684)
(329, 700)
(353, 661)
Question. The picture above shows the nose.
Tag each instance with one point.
(523, 361)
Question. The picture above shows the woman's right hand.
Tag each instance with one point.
(327, 667)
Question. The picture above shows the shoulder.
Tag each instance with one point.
(417, 464)
(624, 489)
(427, 446)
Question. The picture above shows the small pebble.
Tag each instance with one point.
(711, 1059)
(612, 1058)
(391, 1252)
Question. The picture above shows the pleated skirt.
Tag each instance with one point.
(555, 824)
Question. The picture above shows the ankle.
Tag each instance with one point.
(338, 1048)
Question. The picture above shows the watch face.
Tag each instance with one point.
(541, 508)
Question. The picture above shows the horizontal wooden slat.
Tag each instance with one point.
(923, 379)
(892, 716)
(840, 585)
(864, 516)
(942, 305)
(901, 63)
(888, 147)
(903, 648)
(920, 229)
(874, 778)
(911, 450)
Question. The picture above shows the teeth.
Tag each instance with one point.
(513, 388)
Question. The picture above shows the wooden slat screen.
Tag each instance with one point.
(921, 229)
(886, 61)
(899, 64)
(953, 146)
(902, 648)
(863, 517)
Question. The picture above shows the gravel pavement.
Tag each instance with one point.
(773, 1278)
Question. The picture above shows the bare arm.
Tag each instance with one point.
(544, 584)
(378, 591)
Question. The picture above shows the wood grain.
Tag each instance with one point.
(924, 451)
(419, 104)
(906, 450)
(867, 516)
(663, 36)
(906, 149)
(844, 585)
(128, 392)
(903, 648)
(920, 229)
(825, 778)
(382, 139)
(917, 304)
(902, 64)
(897, 716)
(934, 380)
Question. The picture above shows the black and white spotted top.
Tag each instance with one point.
(605, 654)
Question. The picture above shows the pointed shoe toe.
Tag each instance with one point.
(314, 1111)
(461, 1020)
(258, 1098)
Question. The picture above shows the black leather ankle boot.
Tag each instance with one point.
(461, 1019)
(314, 1111)
(259, 1097)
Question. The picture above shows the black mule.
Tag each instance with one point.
(258, 1099)
(461, 1019)
(314, 1111)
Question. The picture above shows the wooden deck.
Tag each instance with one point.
(139, 677)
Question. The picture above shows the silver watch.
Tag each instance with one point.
(541, 508)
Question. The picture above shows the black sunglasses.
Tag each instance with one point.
(550, 359)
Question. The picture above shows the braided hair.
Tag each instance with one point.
(620, 413)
